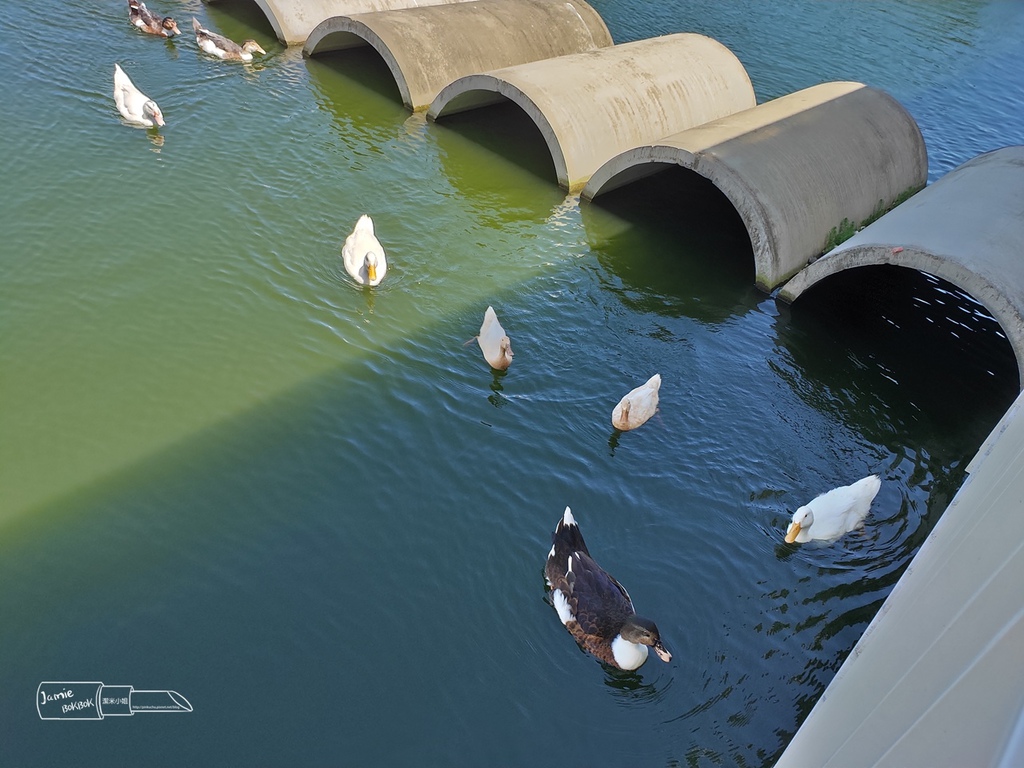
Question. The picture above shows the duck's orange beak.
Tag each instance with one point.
(791, 532)
(371, 272)
(662, 652)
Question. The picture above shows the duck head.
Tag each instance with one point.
(803, 518)
(152, 111)
(645, 632)
(251, 46)
(372, 263)
(506, 353)
(169, 26)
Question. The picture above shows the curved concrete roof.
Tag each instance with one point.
(794, 168)
(591, 106)
(428, 48)
(967, 228)
(293, 20)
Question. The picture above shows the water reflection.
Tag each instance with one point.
(629, 686)
(496, 398)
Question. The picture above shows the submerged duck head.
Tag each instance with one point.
(152, 111)
(505, 353)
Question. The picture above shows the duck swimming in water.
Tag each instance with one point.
(219, 46)
(494, 342)
(135, 106)
(593, 606)
(140, 16)
(363, 254)
(832, 514)
(638, 405)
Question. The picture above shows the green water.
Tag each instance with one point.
(315, 512)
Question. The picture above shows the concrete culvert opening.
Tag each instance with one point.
(504, 129)
(691, 218)
(363, 65)
(909, 330)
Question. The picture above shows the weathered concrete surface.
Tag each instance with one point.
(937, 679)
(293, 20)
(428, 48)
(793, 168)
(967, 228)
(591, 106)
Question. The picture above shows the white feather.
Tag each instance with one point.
(628, 655)
(562, 606)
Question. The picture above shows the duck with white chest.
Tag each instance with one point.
(593, 606)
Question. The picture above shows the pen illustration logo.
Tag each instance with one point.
(94, 701)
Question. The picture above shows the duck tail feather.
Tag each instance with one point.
(567, 537)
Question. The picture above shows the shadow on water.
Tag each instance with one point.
(895, 333)
(506, 131)
(498, 161)
(363, 66)
(677, 246)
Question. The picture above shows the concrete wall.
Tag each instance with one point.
(428, 48)
(293, 20)
(967, 228)
(592, 106)
(936, 679)
(794, 168)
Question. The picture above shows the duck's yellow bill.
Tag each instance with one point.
(791, 532)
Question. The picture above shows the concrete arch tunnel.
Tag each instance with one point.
(795, 168)
(428, 48)
(967, 228)
(294, 20)
(591, 106)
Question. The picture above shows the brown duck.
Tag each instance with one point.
(147, 21)
(593, 606)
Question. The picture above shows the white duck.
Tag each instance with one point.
(494, 343)
(135, 106)
(638, 405)
(832, 514)
(363, 255)
(219, 46)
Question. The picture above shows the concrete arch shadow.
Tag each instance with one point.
(795, 168)
(428, 48)
(591, 106)
(967, 228)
